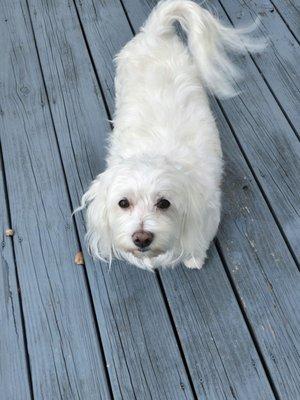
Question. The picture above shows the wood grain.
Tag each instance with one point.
(290, 12)
(279, 62)
(207, 317)
(261, 268)
(65, 357)
(268, 144)
(14, 372)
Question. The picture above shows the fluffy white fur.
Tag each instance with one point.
(165, 143)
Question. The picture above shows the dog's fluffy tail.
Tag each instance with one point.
(208, 41)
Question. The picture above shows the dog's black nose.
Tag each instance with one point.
(142, 239)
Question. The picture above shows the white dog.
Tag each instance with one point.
(158, 202)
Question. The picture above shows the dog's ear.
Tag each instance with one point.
(98, 232)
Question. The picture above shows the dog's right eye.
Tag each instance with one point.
(124, 203)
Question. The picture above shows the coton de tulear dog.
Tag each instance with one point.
(158, 202)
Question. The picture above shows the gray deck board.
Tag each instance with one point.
(229, 331)
(141, 362)
(207, 317)
(279, 63)
(63, 346)
(14, 373)
(264, 273)
(269, 144)
(290, 12)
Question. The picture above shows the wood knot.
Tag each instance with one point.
(24, 90)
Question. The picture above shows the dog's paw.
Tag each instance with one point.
(194, 263)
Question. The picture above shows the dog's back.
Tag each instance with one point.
(159, 79)
(208, 41)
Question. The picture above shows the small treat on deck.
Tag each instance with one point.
(79, 260)
(9, 232)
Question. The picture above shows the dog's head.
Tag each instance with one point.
(146, 212)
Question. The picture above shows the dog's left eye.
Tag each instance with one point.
(124, 203)
(163, 204)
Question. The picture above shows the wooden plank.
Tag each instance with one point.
(216, 369)
(264, 275)
(269, 144)
(223, 362)
(262, 269)
(279, 63)
(63, 345)
(98, 21)
(290, 13)
(141, 352)
(14, 374)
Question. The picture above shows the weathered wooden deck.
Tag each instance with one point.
(229, 331)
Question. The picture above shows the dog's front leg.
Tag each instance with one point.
(194, 262)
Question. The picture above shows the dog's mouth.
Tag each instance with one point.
(146, 252)
(143, 250)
